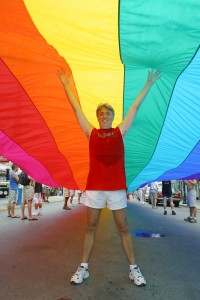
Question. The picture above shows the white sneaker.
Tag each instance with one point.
(81, 274)
(137, 277)
(35, 213)
(39, 213)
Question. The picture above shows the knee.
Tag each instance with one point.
(91, 227)
(123, 228)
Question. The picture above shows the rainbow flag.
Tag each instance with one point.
(108, 46)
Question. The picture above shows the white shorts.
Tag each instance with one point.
(66, 192)
(37, 198)
(72, 192)
(112, 199)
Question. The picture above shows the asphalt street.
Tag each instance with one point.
(38, 258)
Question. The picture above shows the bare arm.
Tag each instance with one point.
(83, 121)
(16, 177)
(193, 182)
(32, 181)
(130, 117)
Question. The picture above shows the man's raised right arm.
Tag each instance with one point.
(82, 120)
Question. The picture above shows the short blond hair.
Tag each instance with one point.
(107, 106)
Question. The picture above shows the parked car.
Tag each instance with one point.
(4, 182)
(176, 197)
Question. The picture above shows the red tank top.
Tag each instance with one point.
(107, 172)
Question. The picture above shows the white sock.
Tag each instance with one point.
(133, 267)
(85, 265)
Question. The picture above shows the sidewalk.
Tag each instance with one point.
(52, 199)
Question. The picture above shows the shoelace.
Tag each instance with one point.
(138, 271)
(80, 269)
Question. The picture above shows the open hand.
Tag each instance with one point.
(64, 78)
(153, 76)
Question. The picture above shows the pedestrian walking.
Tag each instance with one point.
(37, 199)
(28, 194)
(66, 194)
(153, 193)
(167, 195)
(191, 199)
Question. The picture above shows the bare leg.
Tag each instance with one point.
(195, 212)
(30, 209)
(12, 210)
(9, 209)
(152, 201)
(71, 199)
(93, 215)
(40, 206)
(143, 197)
(165, 203)
(126, 239)
(36, 206)
(23, 210)
(66, 204)
(191, 212)
(79, 198)
(171, 203)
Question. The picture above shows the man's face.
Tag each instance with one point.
(105, 118)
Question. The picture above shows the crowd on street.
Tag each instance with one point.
(24, 191)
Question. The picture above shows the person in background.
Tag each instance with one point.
(13, 192)
(28, 194)
(72, 194)
(45, 193)
(167, 194)
(191, 200)
(37, 199)
(106, 183)
(79, 196)
(142, 193)
(66, 195)
(153, 193)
